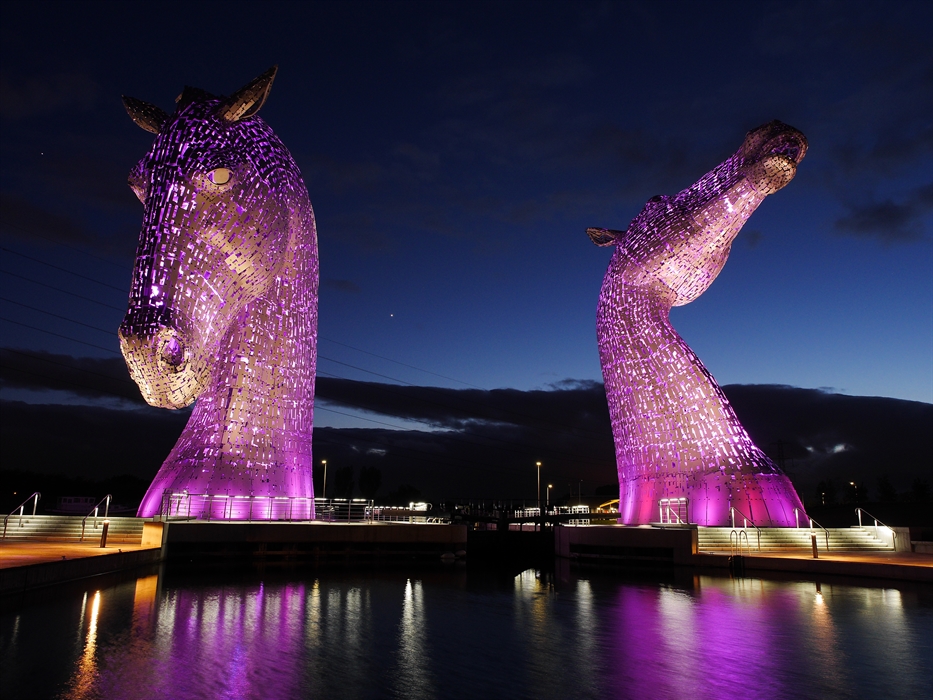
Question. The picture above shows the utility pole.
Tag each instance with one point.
(540, 520)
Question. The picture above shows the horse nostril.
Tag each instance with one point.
(172, 353)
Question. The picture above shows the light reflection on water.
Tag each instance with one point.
(455, 633)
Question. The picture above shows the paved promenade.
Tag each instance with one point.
(14, 554)
(901, 566)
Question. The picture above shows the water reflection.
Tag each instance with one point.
(413, 678)
(449, 635)
(85, 674)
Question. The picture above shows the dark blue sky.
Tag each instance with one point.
(455, 154)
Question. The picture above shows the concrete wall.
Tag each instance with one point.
(649, 545)
(239, 540)
(153, 534)
(898, 538)
(22, 578)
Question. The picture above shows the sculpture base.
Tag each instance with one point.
(205, 506)
(766, 500)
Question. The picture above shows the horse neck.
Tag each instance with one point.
(656, 385)
(269, 358)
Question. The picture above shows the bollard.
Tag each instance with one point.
(816, 554)
(103, 534)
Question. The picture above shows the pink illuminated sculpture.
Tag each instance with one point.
(681, 452)
(223, 305)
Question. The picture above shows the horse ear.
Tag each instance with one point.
(246, 101)
(146, 116)
(604, 236)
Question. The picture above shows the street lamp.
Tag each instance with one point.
(539, 490)
(549, 487)
(324, 485)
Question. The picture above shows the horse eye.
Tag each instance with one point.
(220, 176)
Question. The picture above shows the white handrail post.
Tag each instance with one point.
(797, 518)
(732, 515)
(859, 513)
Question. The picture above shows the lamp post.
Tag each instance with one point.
(539, 493)
(548, 506)
(324, 485)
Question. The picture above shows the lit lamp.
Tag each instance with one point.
(549, 487)
(539, 490)
(324, 485)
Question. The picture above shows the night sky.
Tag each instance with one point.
(455, 154)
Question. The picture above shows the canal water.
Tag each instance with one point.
(456, 632)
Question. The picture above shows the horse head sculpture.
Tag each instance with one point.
(223, 304)
(681, 452)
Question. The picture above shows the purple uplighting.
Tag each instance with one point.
(223, 305)
(676, 435)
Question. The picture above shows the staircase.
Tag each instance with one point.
(67, 528)
(792, 540)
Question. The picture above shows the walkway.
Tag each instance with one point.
(14, 554)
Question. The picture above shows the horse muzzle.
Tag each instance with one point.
(159, 358)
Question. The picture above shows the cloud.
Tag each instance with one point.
(752, 238)
(889, 221)
(86, 377)
(480, 443)
(345, 286)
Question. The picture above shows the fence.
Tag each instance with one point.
(202, 506)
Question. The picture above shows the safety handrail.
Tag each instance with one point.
(35, 500)
(670, 512)
(825, 531)
(673, 506)
(184, 505)
(94, 511)
(878, 523)
(733, 510)
(736, 546)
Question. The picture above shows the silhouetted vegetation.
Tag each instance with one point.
(343, 482)
(826, 493)
(920, 491)
(370, 481)
(886, 491)
(402, 496)
(16, 485)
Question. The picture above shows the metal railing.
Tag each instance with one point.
(35, 501)
(94, 513)
(736, 544)
(181, 505)
(668, 507)
(825, 531)
(878, 523)
(745, 521)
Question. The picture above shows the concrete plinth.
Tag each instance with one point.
(636, 544)
(301, 541)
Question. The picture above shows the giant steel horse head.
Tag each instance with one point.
(223, 305)
(681, 452)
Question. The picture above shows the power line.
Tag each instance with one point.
(389, 359)
(127, 380)
(59, 335)
(64, 245)
(458, 409)
(401, 451)
(63, 291)
(64, 318)
(62, 269)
